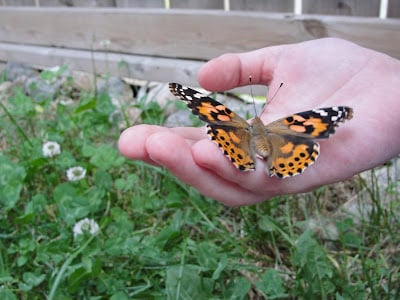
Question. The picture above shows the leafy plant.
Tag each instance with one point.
(80, 221)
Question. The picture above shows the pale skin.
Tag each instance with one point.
(319, 73)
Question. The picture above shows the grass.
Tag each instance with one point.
(159, 238)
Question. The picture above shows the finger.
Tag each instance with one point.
(191, 134)
(209, 156)
(177, 157)
(132, 141)
(232, 70)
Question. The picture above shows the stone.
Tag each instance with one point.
(40, 89)
(14, 70)
(83, 81)
(120, 93)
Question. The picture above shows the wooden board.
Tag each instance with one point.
(364, 8)
(121, 65)
(267, 6)
(189, 34)
(331, 7)
(162, 45)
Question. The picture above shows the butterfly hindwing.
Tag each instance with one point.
(290, 156)
(235, 144)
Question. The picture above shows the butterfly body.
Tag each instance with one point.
(287, 146)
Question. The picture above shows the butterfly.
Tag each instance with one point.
(287, 146)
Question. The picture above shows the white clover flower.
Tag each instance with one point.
(76, 173)
(50, 149)
(86, 225)
(54, 69)
(65, 101)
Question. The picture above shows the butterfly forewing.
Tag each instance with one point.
(317, 123)
(228, 130)
(206, 108)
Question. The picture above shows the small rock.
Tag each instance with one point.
(15, 70)
(40, 89)
(161, 94)
(48, 83)
(120, 93)
(133, 114)
(82, 81)
(6, 88)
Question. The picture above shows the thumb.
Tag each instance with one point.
(232, 70)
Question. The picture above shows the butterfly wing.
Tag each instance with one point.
(228, 130)
(292, 139)
(287, 145)
(316, 124)
(290, 155)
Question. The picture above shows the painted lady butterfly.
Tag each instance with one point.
(286, 145)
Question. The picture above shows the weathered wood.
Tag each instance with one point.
(185, 33)
(266, 6)
(167, 45)
(195, 4)
(394, 9)
(363, 8)
(18, 2)
(330, 7)
(122, 65)
(77, 3)
(140, 3)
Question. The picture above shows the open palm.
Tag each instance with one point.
(319, 73)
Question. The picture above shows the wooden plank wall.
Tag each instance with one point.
(365, 8)
(159, 44)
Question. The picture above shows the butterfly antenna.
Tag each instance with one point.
(273, 97)
(276, 92)
(252, 96)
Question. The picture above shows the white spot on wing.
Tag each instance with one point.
(321, 112)
(198, 95)
(334, 118)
